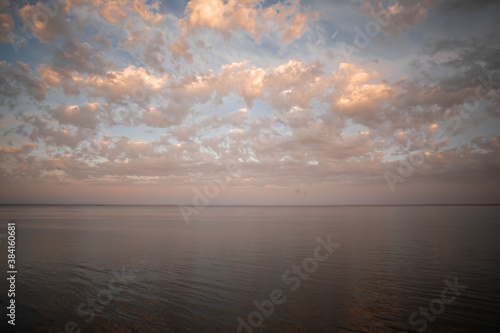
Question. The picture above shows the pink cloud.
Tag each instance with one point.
(230, 16)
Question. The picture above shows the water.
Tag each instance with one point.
(142, 269)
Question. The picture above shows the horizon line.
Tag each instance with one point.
(246, 205)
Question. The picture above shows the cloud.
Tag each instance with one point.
(15, 84)
(135, 84)
(153, 52)
(84, 116)
(117, 96)
(164, 117)
(397, 17)
(46, 22)
(117, 11)
(353, 95)
(148, 12)
(81, 58)
(291, 21)
(56, 77)
(6, 23)
(180, 50)
(249, 16)
(464, 5)
(466, 58)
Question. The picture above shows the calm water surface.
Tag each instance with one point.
(142, 269)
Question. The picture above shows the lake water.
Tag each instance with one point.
(143, 269)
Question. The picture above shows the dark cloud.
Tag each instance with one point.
(15, 84)
(467, 59)
(450, 7)
(81, 58)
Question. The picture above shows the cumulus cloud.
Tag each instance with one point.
(180, 50)
(46, 22)
(118, 96)
(164, 117)
(14, 84)
(84, 116)
(131, 83)
(249, 16)
(81, 58)
(354, 95)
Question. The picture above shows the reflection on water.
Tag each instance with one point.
(153, 273)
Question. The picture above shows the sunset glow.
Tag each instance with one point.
(316, 102)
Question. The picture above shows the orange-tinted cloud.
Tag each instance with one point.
(230, 16)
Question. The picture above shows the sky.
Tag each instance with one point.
(212, 102)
